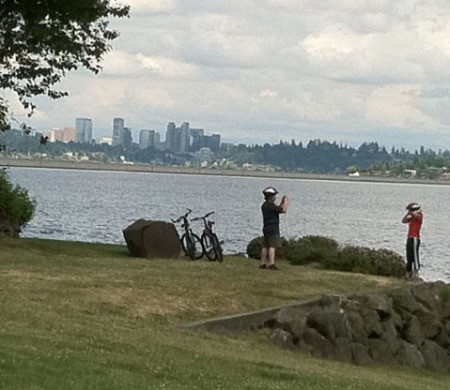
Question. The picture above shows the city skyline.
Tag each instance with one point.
(349, 72)
(180, 139)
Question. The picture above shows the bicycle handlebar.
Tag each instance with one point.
(182, 217)
(204, 217)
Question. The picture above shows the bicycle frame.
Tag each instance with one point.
(211, 244)
(190, 242)
(208, 224)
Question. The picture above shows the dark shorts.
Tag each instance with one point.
(272, 241)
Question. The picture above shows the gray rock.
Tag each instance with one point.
(330, 324)
(293, 319)
(412, 332)
(343, 350)
(379, 301)
(380, 352)
(435, 356)
(409, 355)
(355, 324)
(429, 295)
(283, 339)
(318, 346)
(372, 323)
(390, 335)
(403, 300)
(429, 324)
(445, 303)
(360, 354)
(397, 321)
(443, 339)
(447, 327)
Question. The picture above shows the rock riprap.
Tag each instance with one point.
(407, 326)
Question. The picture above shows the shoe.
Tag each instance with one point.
(273, 267)
(262, 266)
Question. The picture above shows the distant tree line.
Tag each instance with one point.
(318, 156)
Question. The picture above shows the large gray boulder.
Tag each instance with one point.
(152, 239)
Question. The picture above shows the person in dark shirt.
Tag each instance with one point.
(414, 218)
(271, 229)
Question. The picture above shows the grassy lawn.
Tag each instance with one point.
(88, 316)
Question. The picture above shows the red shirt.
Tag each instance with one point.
(414, 226)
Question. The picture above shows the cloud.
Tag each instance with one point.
(276, 68)
(398, 106)
(150, 6)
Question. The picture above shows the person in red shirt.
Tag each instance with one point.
(414, 218)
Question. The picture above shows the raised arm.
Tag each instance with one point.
(410, 215)
(284, 203)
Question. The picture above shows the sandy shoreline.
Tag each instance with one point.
(97, 166)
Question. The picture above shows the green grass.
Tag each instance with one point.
(87, 316)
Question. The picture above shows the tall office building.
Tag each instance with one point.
(147, 139)
(197, 139)
(83, 128)
(127, 139)
(214, 142)
(185, 138)
(170, 136)
(118, 130)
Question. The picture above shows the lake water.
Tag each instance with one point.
(95, 206)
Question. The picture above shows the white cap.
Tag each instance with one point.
(270, 191)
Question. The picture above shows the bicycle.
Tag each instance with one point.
(190, 242)
(211, 244)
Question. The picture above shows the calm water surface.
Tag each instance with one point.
(96, 206)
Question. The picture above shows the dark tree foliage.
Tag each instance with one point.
(42, 40)
(319, 156)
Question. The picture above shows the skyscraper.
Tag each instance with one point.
(170, 136)
(147, 139)
(118, 130)
(83, 128)
(185, 138)
(127, 139)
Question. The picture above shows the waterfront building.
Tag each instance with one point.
(69, 134)
(104, 140)
(196, 135)
(56, 134)
(118, 127)
(184, 138)
(127, 139)
(214, 142)
(170, 136)
(83, 128)
(147, 139)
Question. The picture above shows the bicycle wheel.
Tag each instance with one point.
(208, 246)
(192, 246)
(217, 248)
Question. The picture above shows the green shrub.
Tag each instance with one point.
(16, 206)
(327, 253)
(354, 259)
(254, 249)
(311, 249)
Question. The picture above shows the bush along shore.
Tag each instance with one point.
(326, 253)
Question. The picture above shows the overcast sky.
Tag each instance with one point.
(259, 71)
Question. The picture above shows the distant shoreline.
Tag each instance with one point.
(98, 166)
